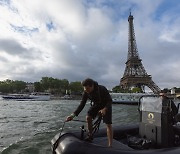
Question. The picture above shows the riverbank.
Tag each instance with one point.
(71, 97)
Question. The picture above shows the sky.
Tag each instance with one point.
(77, 39)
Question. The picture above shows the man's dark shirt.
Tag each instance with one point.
(99, 96)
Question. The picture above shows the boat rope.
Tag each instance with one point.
(96, 125)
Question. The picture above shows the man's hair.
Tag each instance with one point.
(163, 92)
(88, 82)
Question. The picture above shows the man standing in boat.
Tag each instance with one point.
(102, 103)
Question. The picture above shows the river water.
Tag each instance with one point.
(27, 127)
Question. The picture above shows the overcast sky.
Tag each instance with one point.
(76, 39)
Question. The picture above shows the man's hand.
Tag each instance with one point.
(69, 118)
(103, 111)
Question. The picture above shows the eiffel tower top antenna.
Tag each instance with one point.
(130, 11)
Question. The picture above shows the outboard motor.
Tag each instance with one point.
(156, 123)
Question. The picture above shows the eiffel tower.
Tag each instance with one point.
(135, 74)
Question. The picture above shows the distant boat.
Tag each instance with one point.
(66, 97)
(24, 97)
(127, 98)
(40, 96)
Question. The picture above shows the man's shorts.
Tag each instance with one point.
(107, 118)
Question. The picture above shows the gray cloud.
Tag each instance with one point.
(11, 46)
(75, 40)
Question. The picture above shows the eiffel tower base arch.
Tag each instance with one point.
(139, 81)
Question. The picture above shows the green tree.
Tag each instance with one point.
(19, 86)
(38, 87)
(64, 85)
(54, 85)
(10, 86)
(45, 83)
(136, 90)
(4, 88)
(118, 89)
(76, 87)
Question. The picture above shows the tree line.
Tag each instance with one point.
(46, 84)
(57, 86)
(10, 86)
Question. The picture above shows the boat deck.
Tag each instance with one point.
(102, 141)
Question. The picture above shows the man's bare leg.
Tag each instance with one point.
(109, 134)
(89, 125)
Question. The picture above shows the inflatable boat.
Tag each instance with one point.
(157, 132)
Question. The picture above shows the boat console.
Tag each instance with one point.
(156, 121)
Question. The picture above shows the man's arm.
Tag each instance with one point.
(79, 108)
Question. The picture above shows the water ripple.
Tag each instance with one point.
(28, 127)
